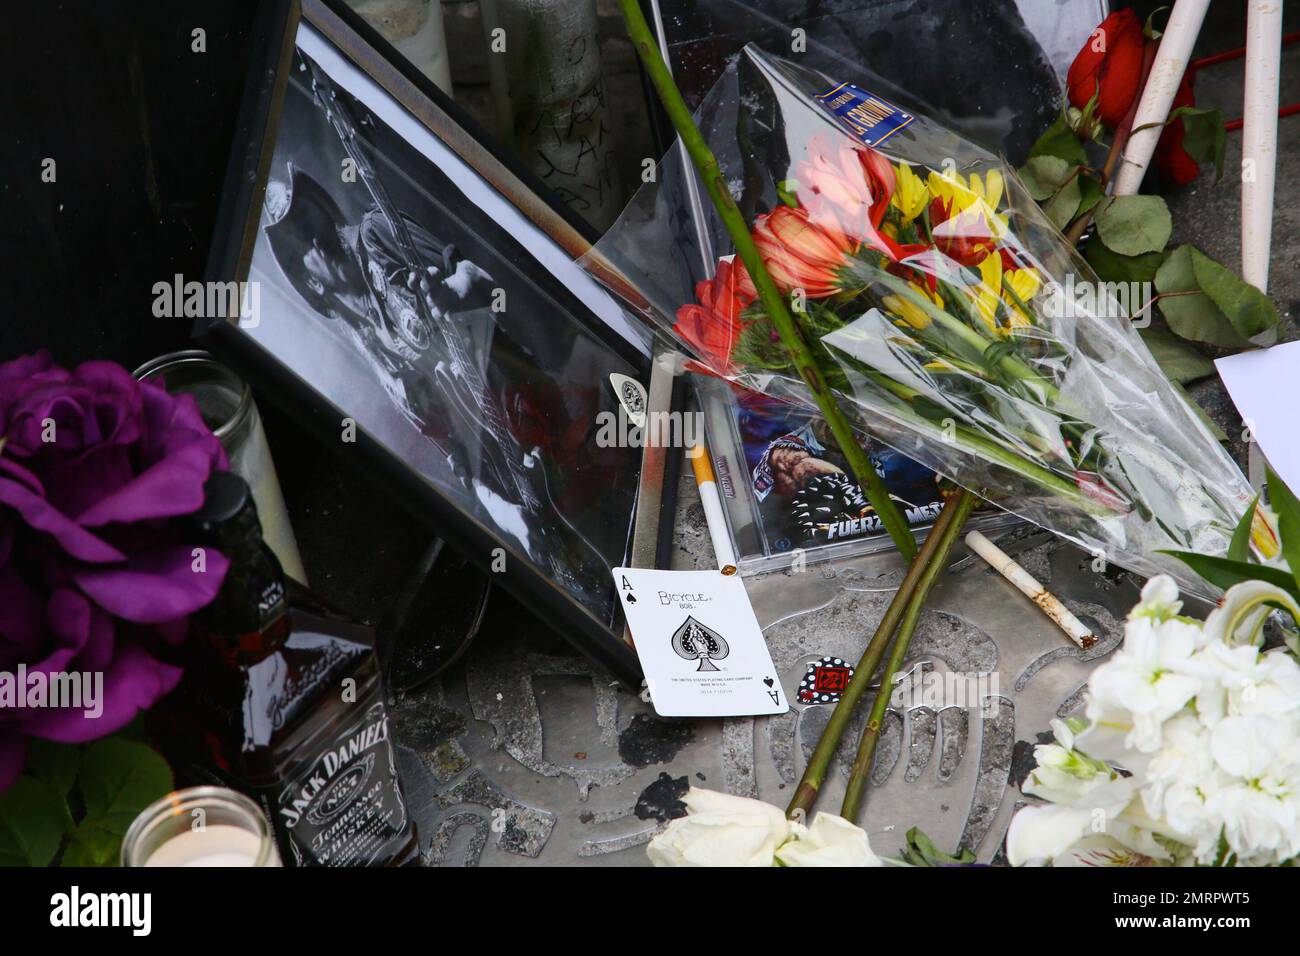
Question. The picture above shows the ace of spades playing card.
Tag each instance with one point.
(700, 645)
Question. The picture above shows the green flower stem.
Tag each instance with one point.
(814, 774)
(960, 508)
(1008, 363)
(802, 356)
(968, 439)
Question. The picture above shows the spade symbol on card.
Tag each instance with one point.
(631, 598)
(768, 681)
(694, 641)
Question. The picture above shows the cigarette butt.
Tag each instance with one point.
(702, 465)
(1047, 602)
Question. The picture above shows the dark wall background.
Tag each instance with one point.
(139, 127)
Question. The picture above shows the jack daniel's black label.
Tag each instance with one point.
(342, 804)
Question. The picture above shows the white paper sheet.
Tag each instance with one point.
(1265, 386)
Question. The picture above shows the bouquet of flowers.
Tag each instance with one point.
(1190, 753)
(942, 311)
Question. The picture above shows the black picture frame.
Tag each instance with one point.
(240, 221)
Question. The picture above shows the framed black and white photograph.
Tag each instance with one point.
(413, 295)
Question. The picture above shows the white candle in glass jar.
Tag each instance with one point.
(201, 826)
(217, 845)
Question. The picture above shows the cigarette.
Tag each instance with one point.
(1048, 602)
(702, 465)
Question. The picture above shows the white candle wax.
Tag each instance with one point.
(1259, 138)
(216, 845)
(1166, 73)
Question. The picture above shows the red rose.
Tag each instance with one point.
(1173, 161)
(1109, 67)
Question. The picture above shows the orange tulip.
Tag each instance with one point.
(800, 254)
(713, 327)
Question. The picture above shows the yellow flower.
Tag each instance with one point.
(970, 204)
(1263, 532)
(1025, 284)
(910, 194)
(990, 188)
(988, 293)
(909, 311)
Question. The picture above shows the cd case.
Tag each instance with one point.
(785, 489)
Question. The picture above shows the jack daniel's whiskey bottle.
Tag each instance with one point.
(284, 699)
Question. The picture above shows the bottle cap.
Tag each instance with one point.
(227, 502)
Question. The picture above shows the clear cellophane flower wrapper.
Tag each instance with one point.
(952, 319)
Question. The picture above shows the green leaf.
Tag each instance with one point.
(1239, 549)
(1064, 205)
(1112, 267)
(787, 191)
(1177, 358)
(1061, 142)
(33, 819)
(118, 779)
(1205, 136)
(91, 844)
(1251, 313)
(921, 851)
(1205, 301)
(756, 348)
(1043, 176)
(1288, 519)
(1091, 191)
(54, 762)
(1132, 225)
(1225, 572)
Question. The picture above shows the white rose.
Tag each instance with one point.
(721, 830)
(830, 841)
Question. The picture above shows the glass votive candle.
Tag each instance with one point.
(226, 404)
(200, 826)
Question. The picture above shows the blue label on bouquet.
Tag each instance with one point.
(866, 115)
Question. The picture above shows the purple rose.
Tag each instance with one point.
(94, 578)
